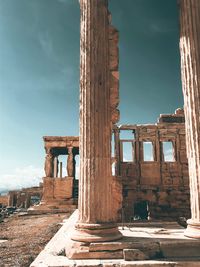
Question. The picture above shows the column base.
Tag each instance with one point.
(88, 233)
(193, 229)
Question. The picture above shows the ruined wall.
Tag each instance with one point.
(155, 176)
(57, 188)
(26, 197)
(4, 200)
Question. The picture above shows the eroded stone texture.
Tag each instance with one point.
(156, 187)
(97, 214)
(134, 255)
(190, 69)
(114, 72)
(48, 167)
(70, 163)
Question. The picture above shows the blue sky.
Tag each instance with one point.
(39, 74)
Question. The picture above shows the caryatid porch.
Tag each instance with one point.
(59, 192)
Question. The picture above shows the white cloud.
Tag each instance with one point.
(21, 177)
(46, 43)
(161, 26)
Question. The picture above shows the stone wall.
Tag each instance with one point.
(152, 185)
(4, 200)
(154, 177)
(57, 189)
(25, 197)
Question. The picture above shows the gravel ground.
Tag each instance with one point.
(26, 236)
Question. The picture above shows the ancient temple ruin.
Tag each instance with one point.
(159, 181)
(97, 218)
(151, 165)
(149, 161)
(59, 192)
(25, 197)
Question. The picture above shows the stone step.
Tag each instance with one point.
(157, 249)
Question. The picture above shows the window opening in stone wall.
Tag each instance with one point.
(127, 151)
(168, 151)
(148, 151)
(127, 135)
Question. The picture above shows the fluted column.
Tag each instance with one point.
(96, 216)
(190, 68)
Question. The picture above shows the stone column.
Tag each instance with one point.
(117, 151)
(70, 162)
(60, 169)
(48, 167)
(190, 69)
(55, 167)
(11, 198)
(96, 216)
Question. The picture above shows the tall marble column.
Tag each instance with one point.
(96, 216)
(190, 69)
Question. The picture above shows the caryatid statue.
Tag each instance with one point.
(70, 162)
(48, 167)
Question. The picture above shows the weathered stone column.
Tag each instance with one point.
(190, 68)
(96, 216)
(48, 166)
(60, 169)
(55, 167)
(70, 162)
(117, 153)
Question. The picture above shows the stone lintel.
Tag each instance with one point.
(59, 144)
(60, 138)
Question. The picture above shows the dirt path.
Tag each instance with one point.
(27, 236)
